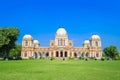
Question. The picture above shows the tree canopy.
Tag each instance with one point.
(15, 53)
(8, 36)
(111, 52)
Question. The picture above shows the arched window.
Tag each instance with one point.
(64, 42)
(26, 43)
(61, 42)
(96, 44)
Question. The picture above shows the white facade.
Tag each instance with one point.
(61, 47)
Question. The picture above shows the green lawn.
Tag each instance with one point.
(59, 70)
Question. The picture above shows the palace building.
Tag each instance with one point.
(61, 47)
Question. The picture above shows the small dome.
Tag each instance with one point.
(36, 42)
(86, 42)
(61, 32)
(27, 37)
(95, 37)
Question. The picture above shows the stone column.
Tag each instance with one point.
(68, 54)
(32, 54)
(59, 54)
(49, 53)
(100, 54)
(95, 54)
(89, 54)
(54, 55)
(73, 54)
(22, 54)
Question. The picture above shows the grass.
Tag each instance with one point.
(59, 70)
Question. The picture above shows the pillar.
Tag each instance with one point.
(49, 53)
(68, 54)
(54, 54)
(90, 54)
(72, 54)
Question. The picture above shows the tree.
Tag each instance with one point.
(111, 51)
(8, 36)
(15, 53)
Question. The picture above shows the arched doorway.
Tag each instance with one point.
(57, 54)
(75, 55)
(35, 55)
(87, 55)
(78, 55)
(47, 54)
(97, 55)
(66, 54)
(83, 54)
(61, 54)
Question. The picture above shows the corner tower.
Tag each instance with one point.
(27, 46)
(95, 46)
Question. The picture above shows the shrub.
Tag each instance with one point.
(71, 58)
(52, 58)
(108, 58)
(95, 59)
(15, 58)
(42, 57)
(86, 59)
(117, 57)
(103, 58)
(19, 58)
(31, 58)
(81, 58)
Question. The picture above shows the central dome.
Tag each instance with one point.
(61, 32)
(95, 37)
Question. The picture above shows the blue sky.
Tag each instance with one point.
(81, 19)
